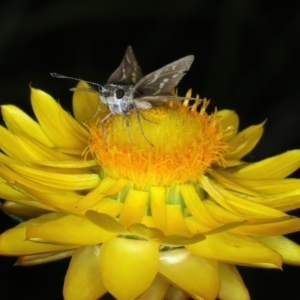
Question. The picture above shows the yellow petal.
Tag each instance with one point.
(237, 249)
(232, 285)
(58, 125)
(276, 167)
(24, 184)
(107, 186)
(85, 104)
(53, 198)
(236, 203)
(83, 279)
(69, 230)
(273, 228)
(23, 211)
(32, 260)
(148, 222)
(13, 241)
(67, 164)
(157, 289)
(9, 193)
(233, 163)
(196, 226)
(20, 123)
(159, 207)
(197, 207)
(9, 144)
(245, 141)
(128, 267)
(261, 186)
(197, 276)
(285, 204)
(35, 151)
(289, 250)
(282, 194)
(233, 184)
(134, 207)
(210, 188)
(176, 222)
(220, 214)
(58, 180)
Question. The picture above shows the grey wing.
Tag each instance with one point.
(128, 72)
(162, 81)
(159, 99)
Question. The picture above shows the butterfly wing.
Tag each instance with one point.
(128, 72)
(164, 80)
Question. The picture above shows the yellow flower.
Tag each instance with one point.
(149, 206)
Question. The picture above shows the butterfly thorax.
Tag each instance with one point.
(118, 98)
(121, 99)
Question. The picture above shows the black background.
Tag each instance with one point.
(246, 59)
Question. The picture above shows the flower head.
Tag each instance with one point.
(152, 203)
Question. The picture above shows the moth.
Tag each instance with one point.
(128, 90)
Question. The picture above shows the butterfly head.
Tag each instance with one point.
(117, 97)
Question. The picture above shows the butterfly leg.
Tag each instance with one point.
(95, 114)
(103, 127)
(140, 124)
(148, 119)
(128, 128)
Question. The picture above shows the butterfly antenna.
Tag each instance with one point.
(56, 75)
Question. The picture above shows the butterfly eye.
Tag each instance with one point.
(119, 93)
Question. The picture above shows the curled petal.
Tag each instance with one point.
(83, 279)
(128, 267)
(232, 285)
(24, 211)
(230, 123)
(32, 260)
(157, 290)
(197, 276)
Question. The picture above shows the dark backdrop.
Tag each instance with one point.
(247, 59)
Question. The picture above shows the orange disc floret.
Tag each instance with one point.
(166, 144)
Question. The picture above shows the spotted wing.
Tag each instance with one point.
(128, 72)
(164, 80)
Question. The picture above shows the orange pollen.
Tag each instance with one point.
(163, 146)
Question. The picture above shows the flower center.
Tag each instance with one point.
(166, 145)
